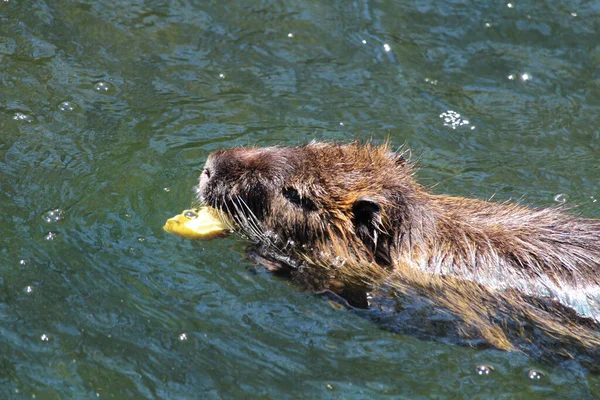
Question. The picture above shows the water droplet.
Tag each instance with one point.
(525, 77)
(222, 76)
(67, 106)
(341, 124)
(510, 5)
(484, 369)
(190, 214)
(53, 216)
(573, 14)
(103, 87)
(19, 116)
(488, 25)
(364, 41)
(290, 35)
(28, 289)
(511, 77)
(535, 375)
(183, 336)
(561, 198)
(387, 47)
(51, 236)
(44, 337)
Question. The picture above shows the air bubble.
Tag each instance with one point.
(190, 214)
(44, 337)
(484, 369)
(67, 106)
(453, 120)
(51, 236)
(103, 87)
(19, 116)
(535, 375)
(53, 216)
(183, 336)
(561, 198)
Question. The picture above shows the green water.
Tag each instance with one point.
(112, 307)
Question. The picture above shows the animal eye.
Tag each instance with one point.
(295, 198)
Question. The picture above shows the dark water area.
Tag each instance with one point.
(108, 111)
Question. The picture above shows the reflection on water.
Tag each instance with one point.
(109, 109)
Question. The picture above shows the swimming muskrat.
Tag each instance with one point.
(351, 219)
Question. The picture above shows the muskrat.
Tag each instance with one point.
(352, 219)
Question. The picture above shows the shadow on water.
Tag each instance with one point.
(109, 109)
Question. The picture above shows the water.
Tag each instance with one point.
(109, 109)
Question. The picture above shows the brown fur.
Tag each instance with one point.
(342, 217)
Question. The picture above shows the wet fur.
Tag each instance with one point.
(352, 219)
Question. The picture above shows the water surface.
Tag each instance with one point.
(109, 109)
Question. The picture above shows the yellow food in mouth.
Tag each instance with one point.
(204, 223)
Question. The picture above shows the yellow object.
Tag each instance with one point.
(203, 224)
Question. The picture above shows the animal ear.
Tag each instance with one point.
(398, 158)
(368, 227)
